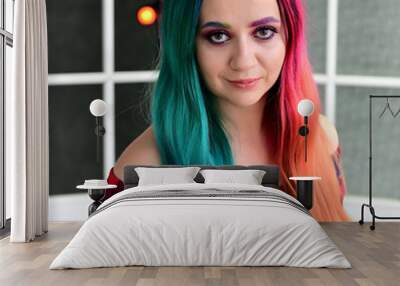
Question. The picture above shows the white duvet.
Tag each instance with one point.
(219, 231)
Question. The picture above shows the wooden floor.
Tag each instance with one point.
(374, 255)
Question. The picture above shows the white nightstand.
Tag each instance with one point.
(96, 192)
(304, 188)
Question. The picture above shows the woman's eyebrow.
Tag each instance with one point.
(259, 22)
(264, 21)
(216, 24)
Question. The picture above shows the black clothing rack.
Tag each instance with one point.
(369, 205)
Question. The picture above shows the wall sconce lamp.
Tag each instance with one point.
(305, 108)
(304, 184)
(98, 108)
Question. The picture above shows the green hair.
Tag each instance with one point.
(185, 117)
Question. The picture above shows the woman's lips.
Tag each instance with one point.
(245, 83)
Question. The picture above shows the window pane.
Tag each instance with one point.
(136, 47)
(72, 138)
(316, 33)
(9, 63)
(9, 9)
(321, 89)
(1, 14)
(353, 129)
(74, 36)
(132, 113)
(2, 135)
(369, 38)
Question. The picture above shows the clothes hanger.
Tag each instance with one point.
(387, 106)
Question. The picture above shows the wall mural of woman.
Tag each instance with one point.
(231, 76)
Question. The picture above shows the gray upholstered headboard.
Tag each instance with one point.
(270, 179)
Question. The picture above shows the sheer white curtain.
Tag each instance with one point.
(27, 146)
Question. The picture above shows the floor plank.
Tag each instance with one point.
(374, 255)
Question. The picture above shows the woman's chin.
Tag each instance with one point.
(243, 100)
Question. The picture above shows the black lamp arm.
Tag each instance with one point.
(99, 131)
(303, 131)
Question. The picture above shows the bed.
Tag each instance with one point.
(201, 223)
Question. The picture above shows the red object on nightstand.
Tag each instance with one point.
(113, 180)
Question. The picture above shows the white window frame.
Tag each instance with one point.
(6, 39)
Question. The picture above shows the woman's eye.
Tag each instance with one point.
(265, 33)
(218, 37)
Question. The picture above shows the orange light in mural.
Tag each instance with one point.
(146, 15)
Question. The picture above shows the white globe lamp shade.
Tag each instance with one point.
(98, 107)
(305, 107)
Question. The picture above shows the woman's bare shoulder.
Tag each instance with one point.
(141, 151)
(330, 131)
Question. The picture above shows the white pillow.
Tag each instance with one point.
(162, 176)
(249, 177)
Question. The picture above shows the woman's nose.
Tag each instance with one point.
(243, 56)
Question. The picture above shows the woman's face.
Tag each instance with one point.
(240, 48)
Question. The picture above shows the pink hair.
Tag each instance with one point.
(287, 146)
